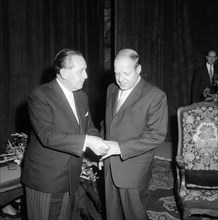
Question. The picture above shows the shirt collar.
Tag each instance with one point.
(66, 91)
(208, 65)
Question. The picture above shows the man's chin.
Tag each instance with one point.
(78, 88)
(81, 85)
(123, 88)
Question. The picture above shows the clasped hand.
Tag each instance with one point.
(114, 149)
(101, 147)
(97, 145)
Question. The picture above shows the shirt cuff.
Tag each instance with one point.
(84, 146)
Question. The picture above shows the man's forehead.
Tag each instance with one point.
(212, 54)
(123, 60)
(77, 61)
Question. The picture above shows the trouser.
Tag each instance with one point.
(46, 206)
(126, 203)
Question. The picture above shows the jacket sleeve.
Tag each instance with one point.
(154, 131)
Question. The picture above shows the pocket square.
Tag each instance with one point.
(87, 113)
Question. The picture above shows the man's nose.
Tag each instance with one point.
(120, 78)
(85, 75)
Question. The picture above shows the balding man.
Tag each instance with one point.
(136, 123)
(202, 77)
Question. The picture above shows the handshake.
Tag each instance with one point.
(101, 147)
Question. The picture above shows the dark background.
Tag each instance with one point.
(171, 36)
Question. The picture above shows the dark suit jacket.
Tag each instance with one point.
(200, 81)
(53, 158)
(139, 126)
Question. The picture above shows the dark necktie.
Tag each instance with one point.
(211, 73)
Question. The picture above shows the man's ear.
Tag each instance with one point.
(63, 73)
(139, 69)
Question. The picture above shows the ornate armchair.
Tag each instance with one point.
(197, 159)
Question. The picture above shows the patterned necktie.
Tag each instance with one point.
(120, 101)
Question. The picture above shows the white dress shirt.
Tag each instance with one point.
(208, 68)
(70, 98)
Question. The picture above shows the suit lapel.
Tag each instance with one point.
(80, 110)
(133, 96)
(114, 101)
(207, 76)
(62, 100)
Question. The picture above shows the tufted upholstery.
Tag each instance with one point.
(197, 159)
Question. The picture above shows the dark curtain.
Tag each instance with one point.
(172, 38)
(31, 33)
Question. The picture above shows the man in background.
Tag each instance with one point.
(202, 77)
(136, 123)
(62, 129)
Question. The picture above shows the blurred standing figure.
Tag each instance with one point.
(62, 129)
(134, 128)
(202, 77)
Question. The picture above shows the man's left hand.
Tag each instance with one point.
(114, 149)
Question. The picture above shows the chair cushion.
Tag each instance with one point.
(204, 199)
(202, 177)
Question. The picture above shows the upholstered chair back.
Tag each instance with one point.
(199, 136)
